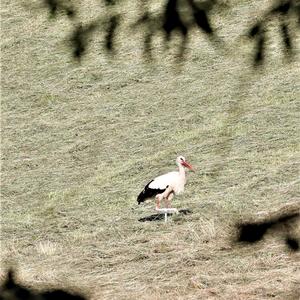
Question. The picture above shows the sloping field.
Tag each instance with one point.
(80, 141)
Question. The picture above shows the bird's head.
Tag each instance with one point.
(180, 160)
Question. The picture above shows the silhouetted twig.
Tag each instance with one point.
(201, 18)
(257, 32)
(286, 37)
(79, 39)
(113, 24)
(282, 7)
(283, 10)
(58, 5)
(172, 20)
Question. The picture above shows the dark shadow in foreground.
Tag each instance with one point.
(282, 223)
(11, 290)
(158, 217)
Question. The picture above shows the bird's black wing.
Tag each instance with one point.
(147, 192)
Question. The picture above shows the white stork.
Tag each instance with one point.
(165, 186)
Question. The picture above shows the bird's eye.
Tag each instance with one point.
(181, 158)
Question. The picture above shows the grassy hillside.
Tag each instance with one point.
(80, 141)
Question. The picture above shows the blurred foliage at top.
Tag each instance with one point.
(175, 18)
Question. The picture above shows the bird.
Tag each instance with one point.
(166, 185)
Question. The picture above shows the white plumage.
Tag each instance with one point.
(172, 179)
(165, 186)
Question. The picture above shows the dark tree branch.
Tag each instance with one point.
(79, 38)
(54, 6)
(171, 20)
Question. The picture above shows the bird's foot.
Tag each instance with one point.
(167, 210)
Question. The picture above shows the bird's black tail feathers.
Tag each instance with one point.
(148, 193)
(141, 197)
(144, 194)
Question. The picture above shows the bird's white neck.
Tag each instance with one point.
(181, 171)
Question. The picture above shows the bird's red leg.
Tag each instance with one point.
(162, 196)
(169, 199)
(157, 201)
(167, 194)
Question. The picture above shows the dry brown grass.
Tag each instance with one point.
(80, 141)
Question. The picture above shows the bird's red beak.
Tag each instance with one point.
(187, 165)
